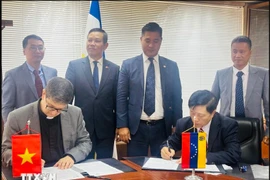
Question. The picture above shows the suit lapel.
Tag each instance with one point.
(213, 131)
(46, 73)
(140, 69)
(88, 73)
(29, 80)
(66, 127)
(105, 74)
(252, 78)
(228, 85)
(34, 118)
(163, 73)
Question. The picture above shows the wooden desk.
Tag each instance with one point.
(160, 175)
(140, 174)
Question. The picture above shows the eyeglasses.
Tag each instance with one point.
(50, 108)
(35, 48)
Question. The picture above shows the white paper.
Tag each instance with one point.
(260, 172)
(226, 167)
(62, 174)
(209, 168)
(161, 164)
(97, 168)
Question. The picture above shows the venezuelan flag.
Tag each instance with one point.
(193, 150)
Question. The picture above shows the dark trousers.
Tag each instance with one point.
(147, 136)
(102, 147)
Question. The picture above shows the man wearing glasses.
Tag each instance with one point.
(23, 85)
(64, 139)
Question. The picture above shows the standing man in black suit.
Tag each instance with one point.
(149, 96)
(95, 81)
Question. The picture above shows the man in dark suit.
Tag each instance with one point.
(223, 146)
(149, 96)
(19, 86)
(95, 81)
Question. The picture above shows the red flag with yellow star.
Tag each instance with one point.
(26, 154)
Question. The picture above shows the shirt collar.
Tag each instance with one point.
(206, 127)
(32, 69)
(244, 70)
(145, 58)
(100, 61)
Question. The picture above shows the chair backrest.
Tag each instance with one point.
(249, 135)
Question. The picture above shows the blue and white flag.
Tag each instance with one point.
(93, 21)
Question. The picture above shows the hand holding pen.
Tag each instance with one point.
(169, 148)
(167, 152)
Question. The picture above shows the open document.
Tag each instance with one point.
(162, 164)
(91, 167)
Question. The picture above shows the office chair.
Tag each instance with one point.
(250, 137)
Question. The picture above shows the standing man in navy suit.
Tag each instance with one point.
(95, 81)
(143, 119)
(19, 87)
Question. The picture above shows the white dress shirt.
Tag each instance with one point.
(245, 70)
(159, 111)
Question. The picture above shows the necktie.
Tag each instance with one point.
(95, 75)
(239, 100)
(38, 83)
(149, 101)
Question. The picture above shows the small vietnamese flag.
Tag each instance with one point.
(193, 150)
(26, 154)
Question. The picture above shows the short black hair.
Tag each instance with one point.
(203, 97)
(32, 36)
(243, 39)
(152, 27)
(60, 90)
(105, 35)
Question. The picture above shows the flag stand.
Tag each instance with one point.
(193, 176)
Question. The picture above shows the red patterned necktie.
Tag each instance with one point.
(38, 83)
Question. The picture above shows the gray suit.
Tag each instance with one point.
(76, 141)
(257, 90)
(18, 88)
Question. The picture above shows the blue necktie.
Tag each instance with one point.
(95, 75)
(239, 100)
(149, 101)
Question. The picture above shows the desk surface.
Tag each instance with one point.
(140, 174)
(160, 175)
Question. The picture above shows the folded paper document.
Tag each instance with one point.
(94, 168)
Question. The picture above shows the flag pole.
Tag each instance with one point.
(28, 126)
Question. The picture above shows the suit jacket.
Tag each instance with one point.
(130, 93)
(257, 90)
(76, 141)
(223, 143)
(19, 89)
(98, 108)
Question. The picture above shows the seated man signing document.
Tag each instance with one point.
(64, 139)
(221, 132)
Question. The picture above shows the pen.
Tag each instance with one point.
(92, 176)
(98, 177)
(169, 148)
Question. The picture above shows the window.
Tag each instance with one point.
(196, 36)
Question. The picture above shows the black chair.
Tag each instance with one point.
(250, 137)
